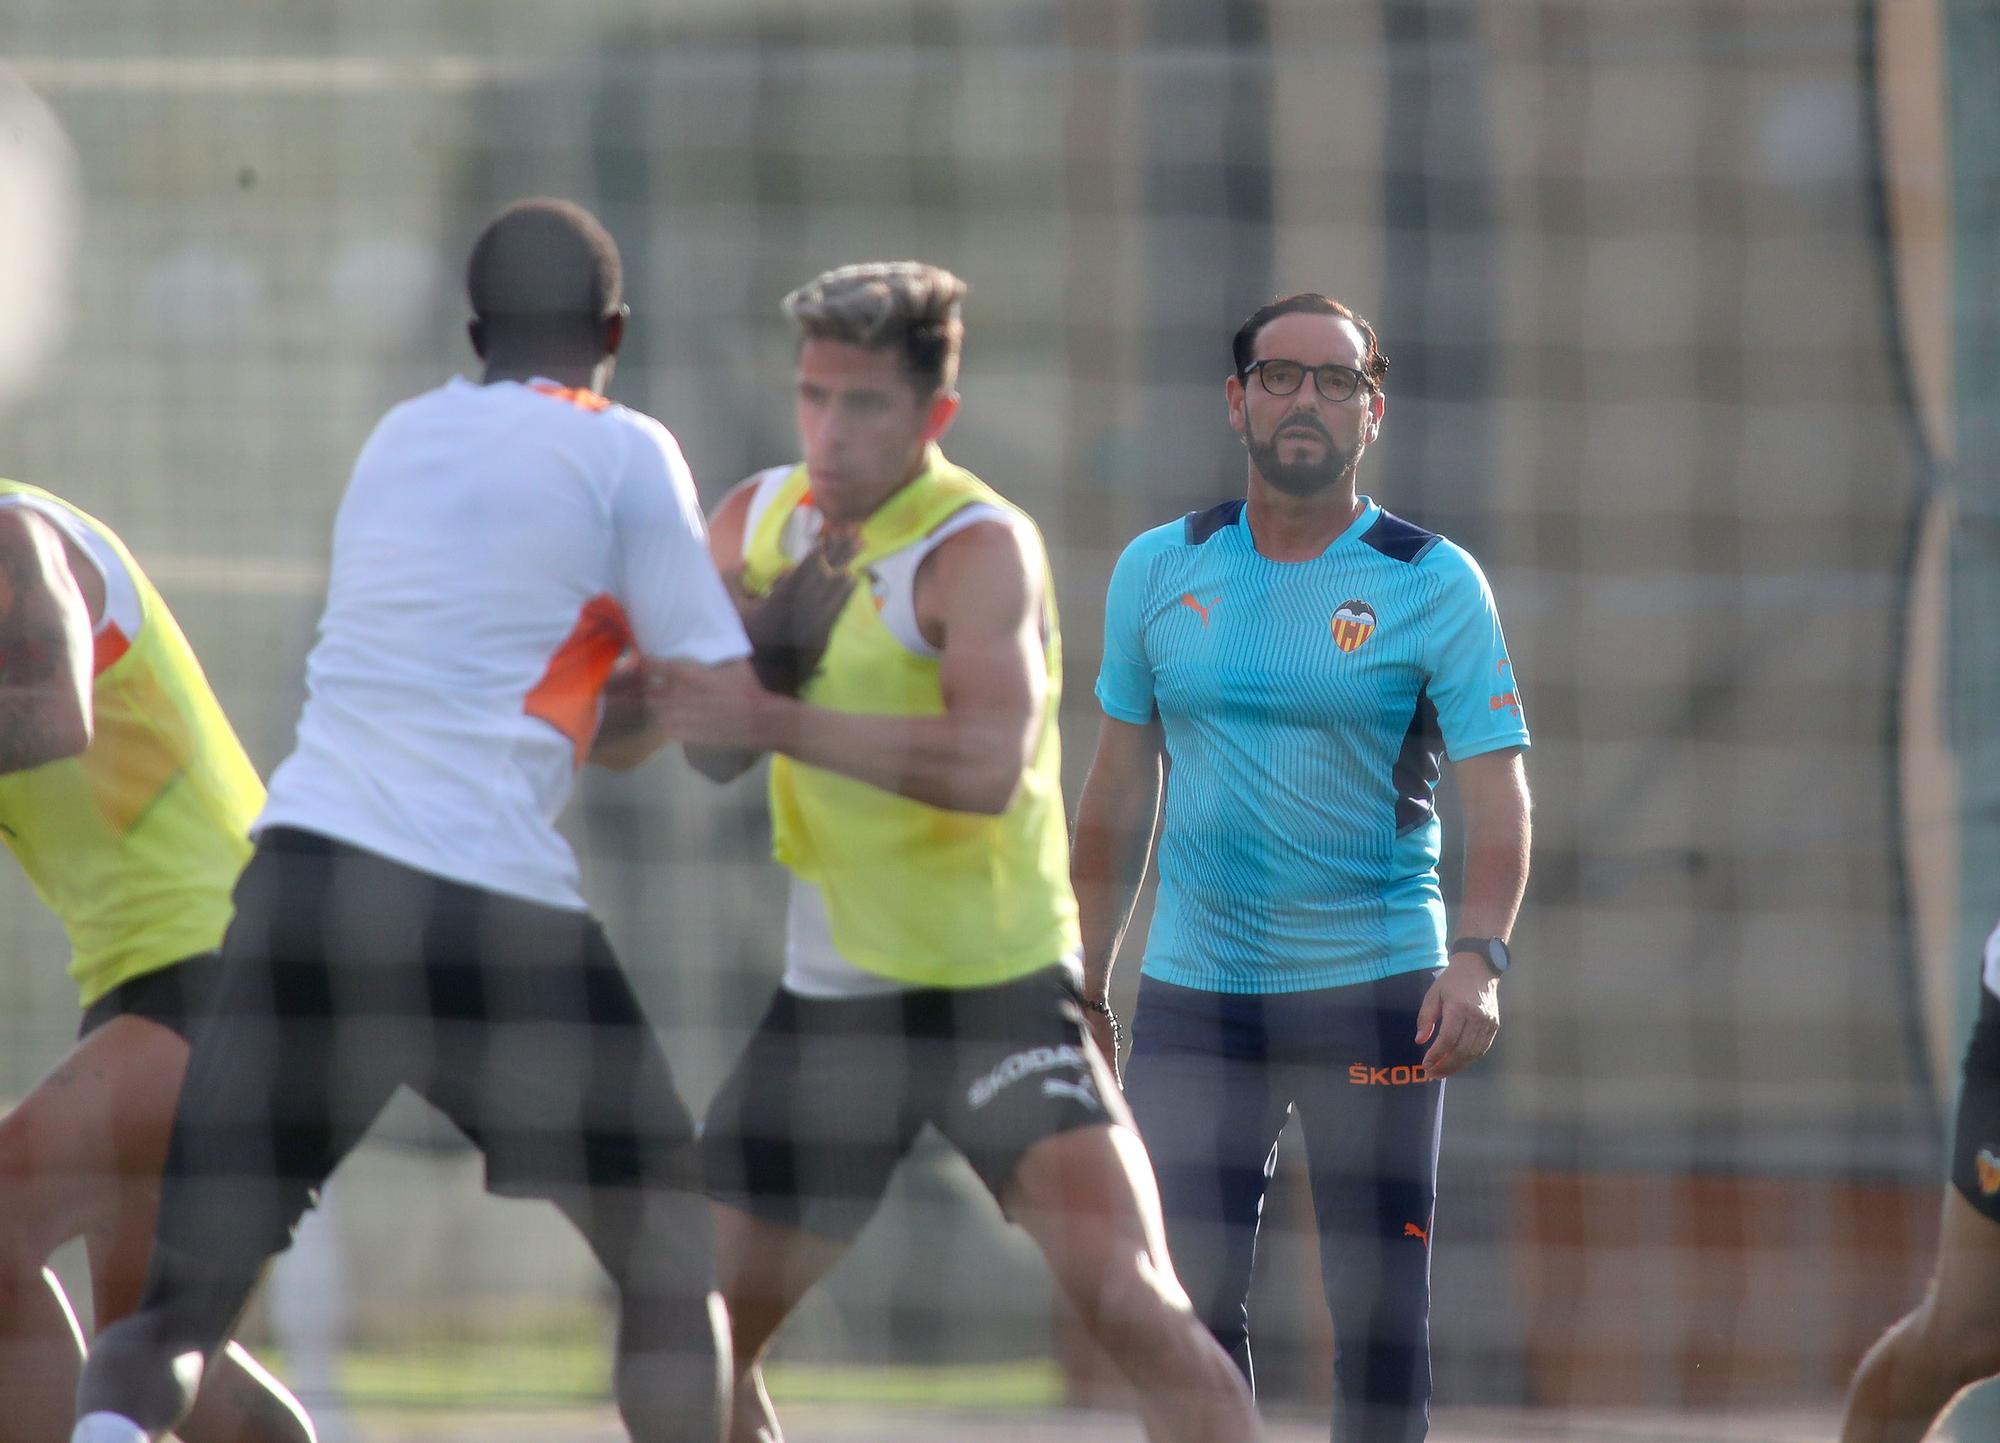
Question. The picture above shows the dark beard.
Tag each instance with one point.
(1298, 478)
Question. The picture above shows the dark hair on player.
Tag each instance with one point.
(1243, 347)
(546, 268)
(879, 304)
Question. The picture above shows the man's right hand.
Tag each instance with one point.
(708, 706)
(789, 626)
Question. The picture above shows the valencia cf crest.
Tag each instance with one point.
(1353, 623)
(1988, 1167)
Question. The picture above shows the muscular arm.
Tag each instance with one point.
(1115, 820)
(983, 591)
(45, 646)
(979, 601)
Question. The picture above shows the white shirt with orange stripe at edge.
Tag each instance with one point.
(499, 546)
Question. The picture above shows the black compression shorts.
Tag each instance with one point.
(175, 996)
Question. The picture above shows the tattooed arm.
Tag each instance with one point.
(45, 646)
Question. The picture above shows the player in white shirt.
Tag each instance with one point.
(502, 544)
(506, 551)
(1952, 1339)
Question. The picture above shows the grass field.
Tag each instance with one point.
(575, 1373)
(847, 1423)
(555, 1392)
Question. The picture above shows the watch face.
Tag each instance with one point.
(1491, 948)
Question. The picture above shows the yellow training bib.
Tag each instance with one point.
(136, 843)
(915, 893)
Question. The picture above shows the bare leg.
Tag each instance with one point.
(765, 1270)
(97, 1129)
(240, 1402)
(1951, 1341)
(1088, 1198)
(104, 1135)
(78, 1156)
(41, 1350)
(57, 1177)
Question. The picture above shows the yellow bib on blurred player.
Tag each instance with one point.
(136, 843)
(916, 893)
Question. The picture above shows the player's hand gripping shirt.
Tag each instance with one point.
(497, 550)
(1306, 708)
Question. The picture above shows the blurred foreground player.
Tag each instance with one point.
(411, 915)
(1297, 664)
(1952, 1340)
(931, 942)
(128, 800)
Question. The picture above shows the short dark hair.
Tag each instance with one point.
(1243, 348)
(544, 261)
(879, 304)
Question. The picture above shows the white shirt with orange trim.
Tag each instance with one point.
(498, 548)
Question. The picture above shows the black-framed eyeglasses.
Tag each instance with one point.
(1283, 378)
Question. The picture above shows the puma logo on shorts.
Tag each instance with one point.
(1026, 1064)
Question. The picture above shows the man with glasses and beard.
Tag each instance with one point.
(1304, 662)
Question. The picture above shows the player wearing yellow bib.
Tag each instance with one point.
(127, 800)
(906, 631)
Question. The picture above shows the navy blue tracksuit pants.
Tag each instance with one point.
(1211, 1078)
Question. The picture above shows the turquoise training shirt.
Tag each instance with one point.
(1307, 708)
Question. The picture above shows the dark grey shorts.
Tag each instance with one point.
(345, 976)
(830, 1093)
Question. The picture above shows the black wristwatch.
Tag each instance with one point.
(1493, 949)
